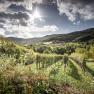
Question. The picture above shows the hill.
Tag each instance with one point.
(78, 36)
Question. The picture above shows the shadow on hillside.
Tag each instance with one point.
(90, 70)
(74, 72)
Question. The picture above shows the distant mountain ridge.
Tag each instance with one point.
(78, 36)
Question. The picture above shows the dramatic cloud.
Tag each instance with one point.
(17, 8)
(16, 19)
(74, 9)
(23, 28)
(28, 4)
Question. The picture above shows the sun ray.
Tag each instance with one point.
(36, 14)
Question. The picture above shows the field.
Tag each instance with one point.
(46, 68)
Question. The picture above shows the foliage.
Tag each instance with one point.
(43, 71)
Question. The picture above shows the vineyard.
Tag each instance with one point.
(46, 69)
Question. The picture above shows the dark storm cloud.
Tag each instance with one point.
(74, 9)
(23, 22)
(1, 1)
(1, 26)
(15, 0)
(2, 21)
(32, 1)
(17, 8)
(14, 16)
(49, 1)
(78, 1)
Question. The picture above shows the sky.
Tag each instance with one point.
(37, 18)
